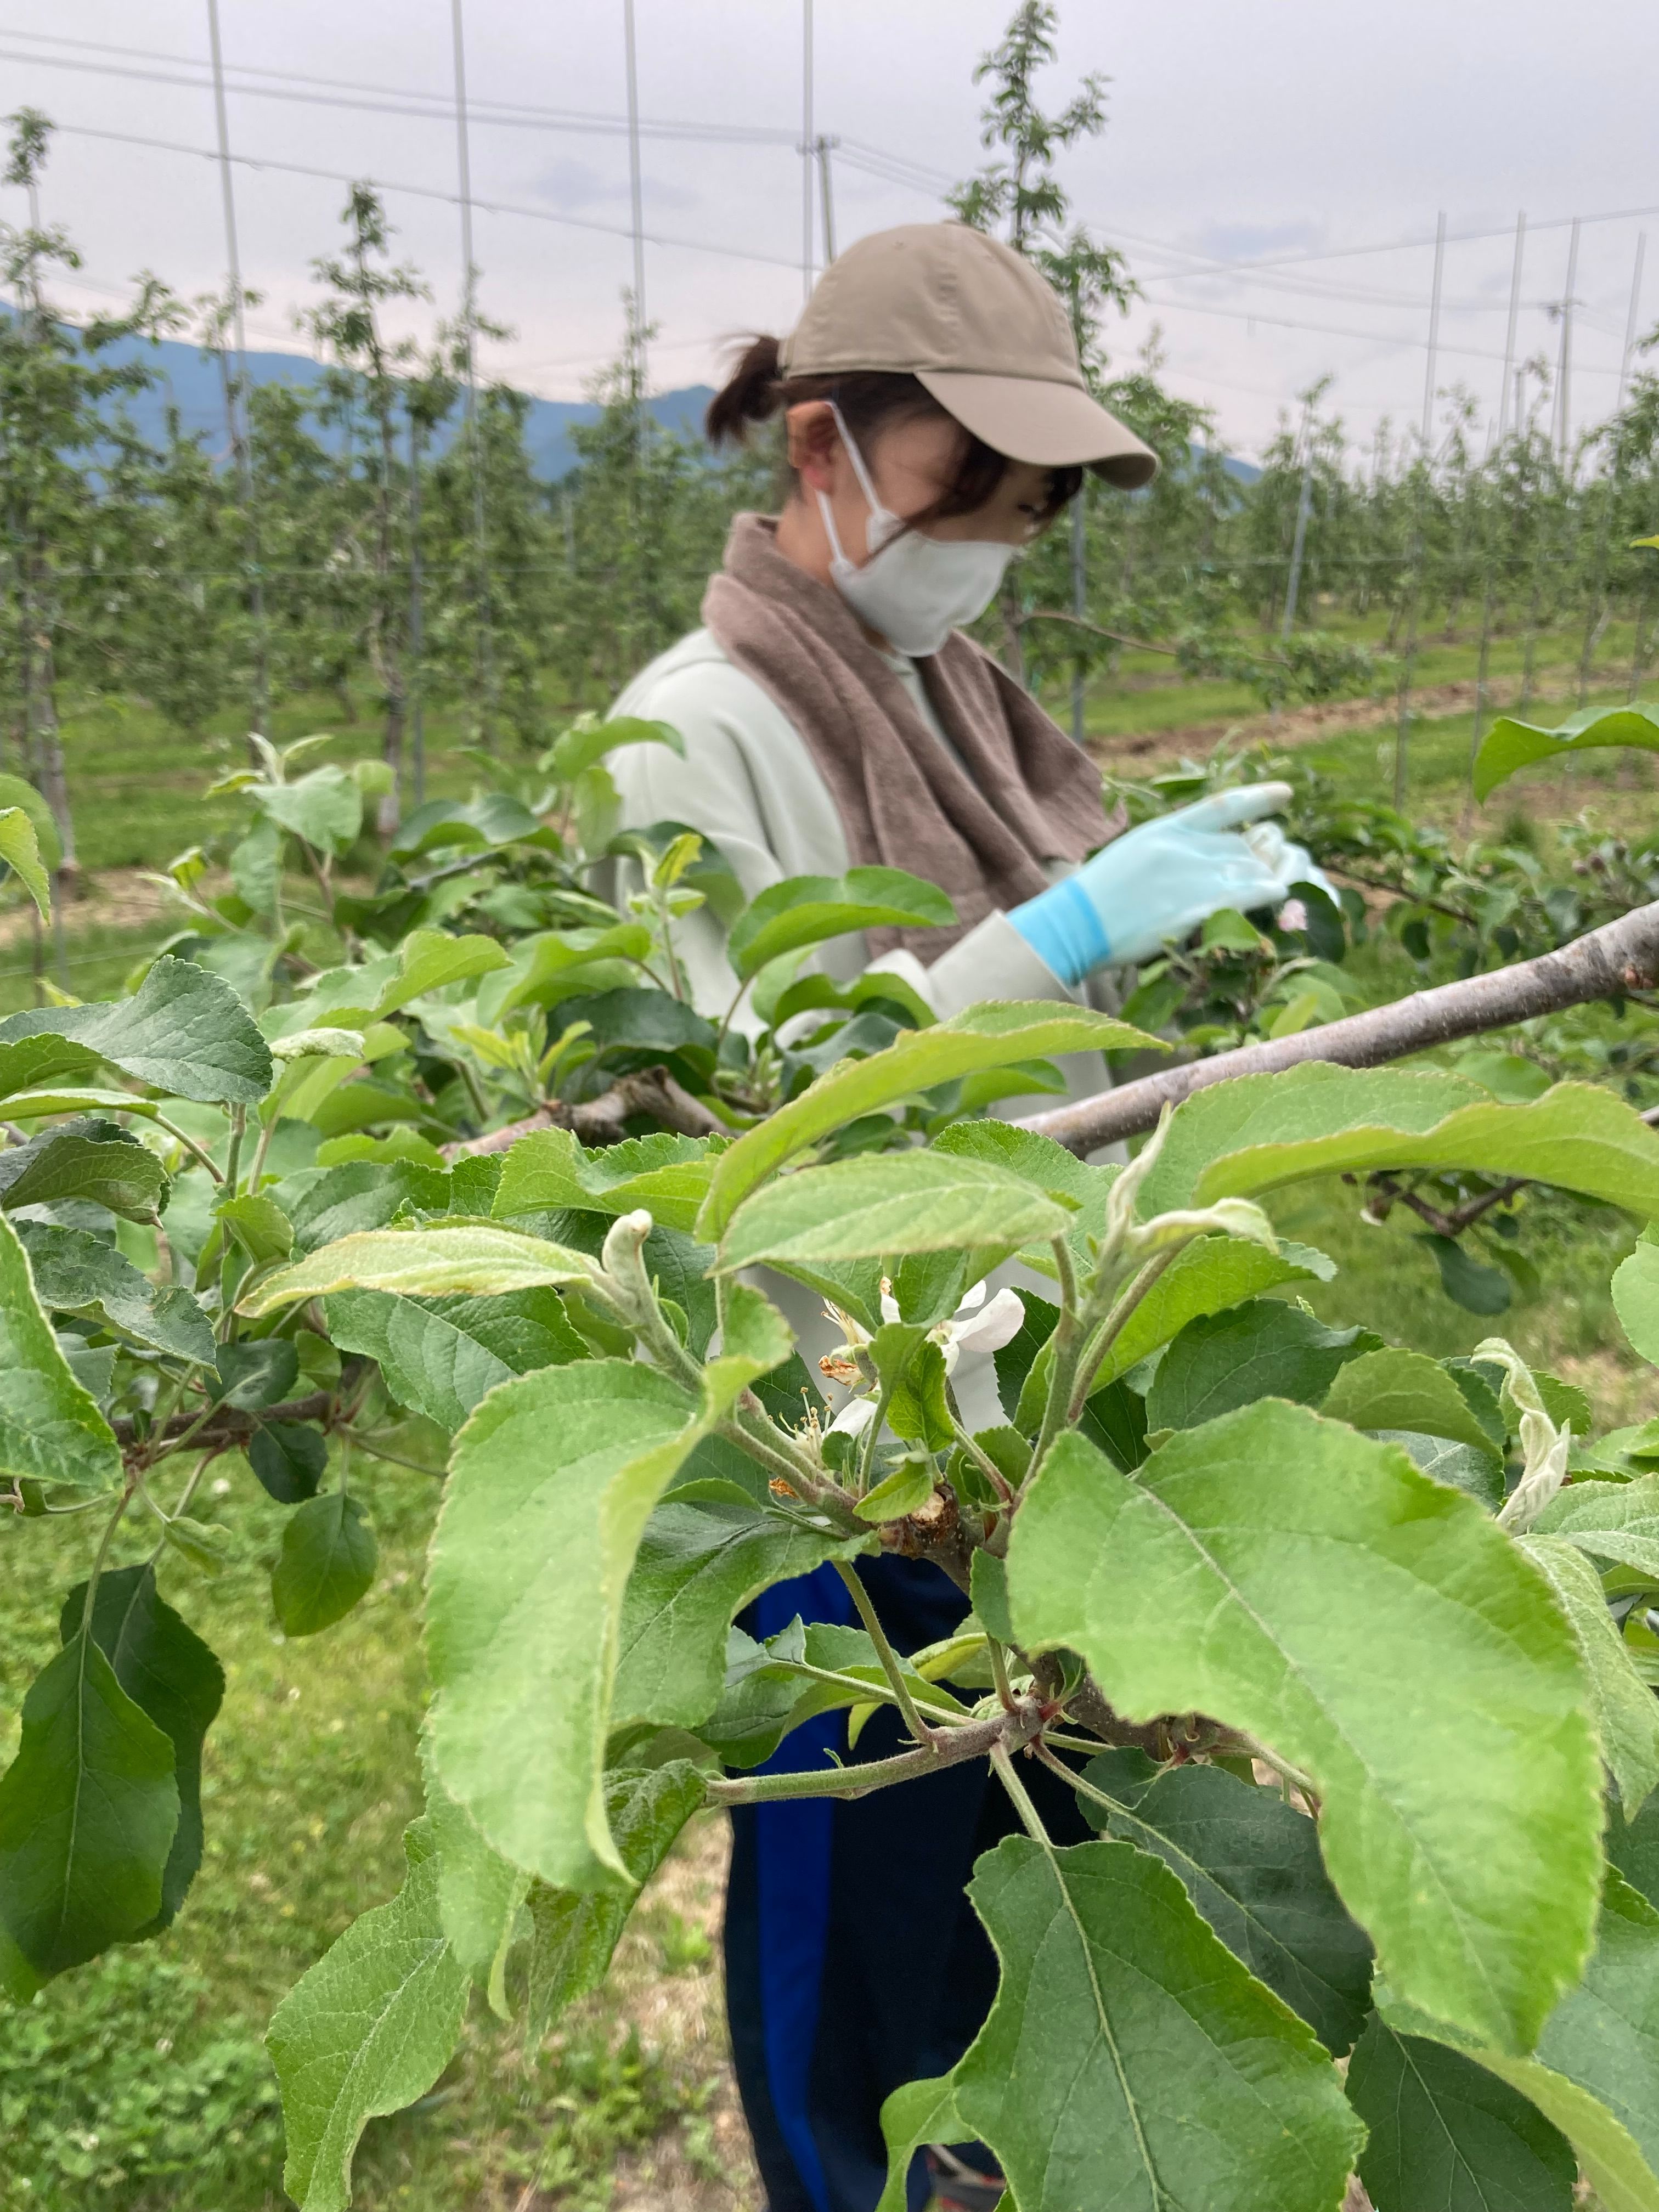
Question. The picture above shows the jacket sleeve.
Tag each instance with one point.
(747, 783)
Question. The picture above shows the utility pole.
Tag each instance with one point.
(1508, 336)
(1434, 330)
(826, 200)
(416, 687)
(1563, 369)
(1402, 726)
(1304, 502)
(1631, 320)
(1615, 484)
(636, 196)
(809, 150)
(235, 392)
(486, 657)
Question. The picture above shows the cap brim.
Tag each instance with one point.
(1049, 425)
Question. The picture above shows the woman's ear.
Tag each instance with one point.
(812, 442)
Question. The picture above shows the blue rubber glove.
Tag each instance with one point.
(1158, 882)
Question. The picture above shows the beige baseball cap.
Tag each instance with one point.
(980, 330)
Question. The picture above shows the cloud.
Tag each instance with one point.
(1243, 242)
(574, 188)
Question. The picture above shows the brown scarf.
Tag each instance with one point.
(979, 825)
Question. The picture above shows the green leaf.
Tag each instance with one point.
(1595, 2071)
(325, 807)
(50, 1430)
(551, 1484)
(1478, 1290)
(1626, 1711)
(1262, 1349)
(17, 791)
(76, 1273)
(252, 1376)
(87, 1812)
(985, 1036)
(33, 1063)
(472, 1261)
(1251, 1865)
(701, 1560)
(987, 1579)
(918, 1413)
(479, 1895)
(1309, 1586)
(495, 817)
(576, 1932)
(756, 1339)
(1444, 2132)
(542, 968)
(259, 1226)
(184, 1031)
(326, 1562)
(884, 1205)
(367, 2031)
(1615, 1521)
(804, 910)
(1212, 1273)
(90, 1159)
(20, 849)
(639, 1019)
(1636, 1300)
(326, 1204)
(173, 1678)
(1478, 1473)
(289, 1460)
(440, 1356)
(1632, 1846)
(428, 959)
(666, 1174)
(587, 742)
(1391, 1389)
(1511, 744)
(904, 1491)
(1119, 2017)
(1259, 1132)
(256, 866)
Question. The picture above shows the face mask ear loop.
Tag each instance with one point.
(857, 458)
(829, 514)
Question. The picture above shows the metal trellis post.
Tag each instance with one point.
(235, 390)
(485, 644)
(1402, 728)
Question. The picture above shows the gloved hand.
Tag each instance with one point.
(1293, 864)
(1160, 881)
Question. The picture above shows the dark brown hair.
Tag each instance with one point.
(869, 400)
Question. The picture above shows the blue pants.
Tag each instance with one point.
(853, 1961)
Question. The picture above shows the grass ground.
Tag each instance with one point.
(141, 2082)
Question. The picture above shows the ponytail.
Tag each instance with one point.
(753, 393)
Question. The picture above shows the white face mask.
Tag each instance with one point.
(914, 590)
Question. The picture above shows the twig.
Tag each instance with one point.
(1611, 961)
(602, 1121)
(891, 1664)
(228, 1425)
(975, 1741)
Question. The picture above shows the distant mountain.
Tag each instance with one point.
(190, 383)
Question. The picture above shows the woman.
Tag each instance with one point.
(937, 422)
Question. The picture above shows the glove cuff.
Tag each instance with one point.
(1063, 928)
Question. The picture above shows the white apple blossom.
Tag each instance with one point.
(984, 1324)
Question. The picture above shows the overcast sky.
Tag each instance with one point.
(1275, 130)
